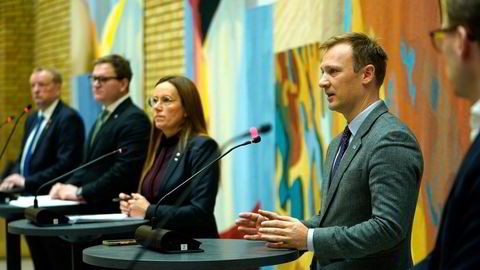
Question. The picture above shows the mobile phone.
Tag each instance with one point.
(119, 242)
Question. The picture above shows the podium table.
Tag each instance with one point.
(12, 241)
(218, 254)
(75, 233)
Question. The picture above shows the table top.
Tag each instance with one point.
(25, 227)
(10, 211)
(218, 254)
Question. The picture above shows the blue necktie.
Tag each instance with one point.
(36, 128)
(343, 147)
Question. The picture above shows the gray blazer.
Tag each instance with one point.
(366, 215)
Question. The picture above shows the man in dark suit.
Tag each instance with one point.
(53, 137)
(120, 125)
(458, 239)
(373, 172)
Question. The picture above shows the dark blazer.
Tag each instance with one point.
(458, 239)
(128, 127)
(366, 217)
(189, 210)
(58, 150)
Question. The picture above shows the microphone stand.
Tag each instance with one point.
(168, 241)
(25, 110)
(42, 216)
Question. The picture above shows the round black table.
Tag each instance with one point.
(12, 241)
(218, 254)
(75, 233)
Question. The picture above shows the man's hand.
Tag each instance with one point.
(13, 180)
(64, 192)
(249, 223)
(283, 231)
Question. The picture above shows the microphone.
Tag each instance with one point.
(42, 216)
(25, 110)
(8, 120)
(169, 241)
(265, 128)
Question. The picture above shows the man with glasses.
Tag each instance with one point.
(458, 239)
(52, 140)
(120, 125)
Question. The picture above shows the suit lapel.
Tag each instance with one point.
(173, 163)
(352, 150)
(42, 136)
(106, 126)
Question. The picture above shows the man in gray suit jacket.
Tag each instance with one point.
(373, 172)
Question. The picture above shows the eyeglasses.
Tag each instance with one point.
(101, 80)
(154, 101)
(438, 36)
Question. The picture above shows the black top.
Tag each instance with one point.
(189, 210)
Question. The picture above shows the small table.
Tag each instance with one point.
(75, 233)
(12, 241)
(218, 254)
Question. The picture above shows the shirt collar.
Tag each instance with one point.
(474, 120)
(111, 108)
(355, 124)
(47, 113)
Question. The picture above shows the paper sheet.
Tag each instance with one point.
(43, 201)
(100, 218)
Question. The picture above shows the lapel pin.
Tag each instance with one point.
(178, 154)
(176, 159)
(115, 116)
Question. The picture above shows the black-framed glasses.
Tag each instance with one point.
(154, 101)
(102, 79)
(437, 36)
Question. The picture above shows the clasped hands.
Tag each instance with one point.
(134, 205)
(279, 231)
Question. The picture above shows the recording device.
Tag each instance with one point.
(265, 128)
(42, 216)
(25, 110)
(168, 241)
(8, 120)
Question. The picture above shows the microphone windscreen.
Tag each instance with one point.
(28, 108)
(255, 135)
(265, 128)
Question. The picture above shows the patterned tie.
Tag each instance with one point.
(28, 157)
(100, 121)
(343, 147)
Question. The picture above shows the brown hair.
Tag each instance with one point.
(365, 51)
(193, 125)
(119, 64)
(466, 13)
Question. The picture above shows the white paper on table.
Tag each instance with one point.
(43, 201)
(100, 218)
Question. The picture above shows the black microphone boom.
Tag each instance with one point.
(169, 241)
(265, 128)
(41, 216)
(25, 110)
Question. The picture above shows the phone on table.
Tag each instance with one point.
(119, 242)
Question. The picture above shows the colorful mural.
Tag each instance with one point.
(237, 37)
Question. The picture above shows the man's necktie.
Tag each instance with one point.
(343, 147)
(28, 158)
(100, 121)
